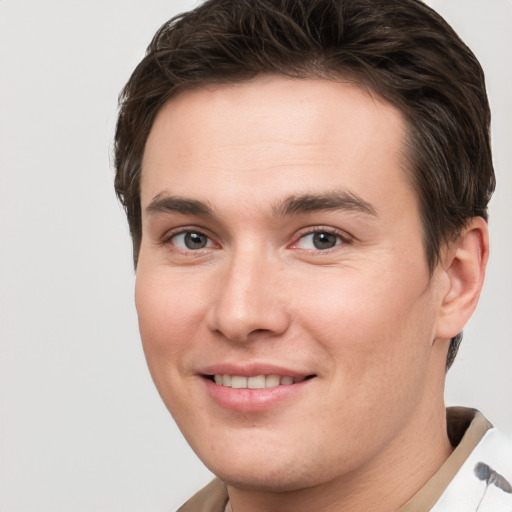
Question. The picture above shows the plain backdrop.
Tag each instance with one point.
(82, 427)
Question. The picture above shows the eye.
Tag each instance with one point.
(190, 241)
(319, 241)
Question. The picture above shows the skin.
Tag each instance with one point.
(364, 317)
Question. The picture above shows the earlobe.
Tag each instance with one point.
(464, 267)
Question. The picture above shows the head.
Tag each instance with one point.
(306, 184)
(400, 50)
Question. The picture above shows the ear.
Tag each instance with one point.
(464, 263)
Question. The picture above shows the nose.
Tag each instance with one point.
(249, 300)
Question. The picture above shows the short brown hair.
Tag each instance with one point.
(400, 49)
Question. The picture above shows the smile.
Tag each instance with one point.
(255, 382)
(257, 390)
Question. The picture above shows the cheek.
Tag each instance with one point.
(169, 313)
(369, 323)
(374, 343)
(168, 320)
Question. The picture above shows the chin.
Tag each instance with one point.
(270, 467)
(266, 478)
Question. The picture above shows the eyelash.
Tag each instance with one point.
(340, 235)
(167, 239)
(342, 238)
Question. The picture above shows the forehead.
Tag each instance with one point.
(273, 136)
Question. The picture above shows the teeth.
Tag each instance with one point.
(271, 381)
(238, 382)
(256, 382)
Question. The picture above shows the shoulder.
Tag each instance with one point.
(484, 482)
(212, 498)
(476, 476)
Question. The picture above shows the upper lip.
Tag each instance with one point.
(252, 370)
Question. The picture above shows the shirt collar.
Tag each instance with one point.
(466, 428)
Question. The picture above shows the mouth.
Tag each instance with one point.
(254, 388)
(256, 381)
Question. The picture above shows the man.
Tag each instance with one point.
(306, 183)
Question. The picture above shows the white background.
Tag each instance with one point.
(82, 427)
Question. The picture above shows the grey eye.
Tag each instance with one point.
(325, 240)
(320, 241)
(191, 240)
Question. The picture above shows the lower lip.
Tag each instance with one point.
(253, 400)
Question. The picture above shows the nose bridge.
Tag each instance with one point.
(247, 298)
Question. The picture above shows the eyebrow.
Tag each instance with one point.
(168, 204)
(333, 200)
(293, 205)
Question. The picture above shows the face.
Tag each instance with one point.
(284, 299)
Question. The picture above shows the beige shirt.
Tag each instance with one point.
(466, 428)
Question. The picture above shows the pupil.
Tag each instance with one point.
(324, 240)
(195, 240)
